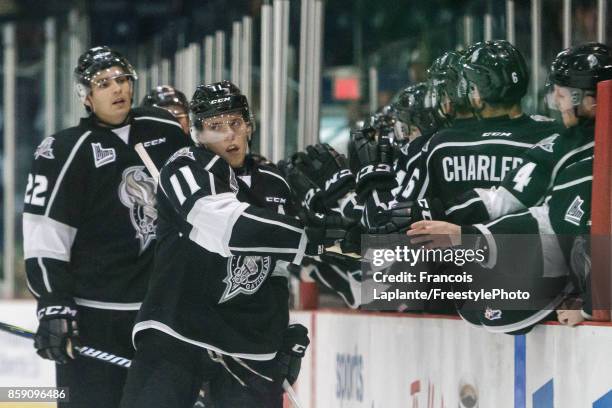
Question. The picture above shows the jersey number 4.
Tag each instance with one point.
(36, 189)
(523, 176)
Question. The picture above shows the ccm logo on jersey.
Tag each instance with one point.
(154, 142)
(497, 134)
(56, 311)
(276, 200)
(216, 101)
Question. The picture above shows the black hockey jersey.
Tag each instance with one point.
(479, 153)
(89, 211)
(219, 236)
(528, 184)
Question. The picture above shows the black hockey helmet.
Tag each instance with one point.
(413, 109)
(217, 99)
(498, 70)
(445, 78)
(582, 66)
(96, 60)
(165, 95)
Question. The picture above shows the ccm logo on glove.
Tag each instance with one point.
(56, 311)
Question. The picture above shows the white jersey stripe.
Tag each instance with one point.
(170, 122)
(65, 167)
(275, 175)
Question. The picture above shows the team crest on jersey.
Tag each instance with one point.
(548, 143)
(574, 212)
(137, 192)
(245, 274)
(184, 152)
(45, 149)
(492, 314)
(103, 155)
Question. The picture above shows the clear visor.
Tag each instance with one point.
(104, 78)
(219, 128)
(563, 98)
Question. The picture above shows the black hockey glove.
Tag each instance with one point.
(329, 170)
(375, 162)
(57, 333)
(305, 192)
(293, 349)
(399, 218)
(324, 230)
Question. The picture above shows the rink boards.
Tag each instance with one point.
(387, 360)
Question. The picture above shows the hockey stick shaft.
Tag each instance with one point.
(147, 161)
(291, 393)
(85, 351)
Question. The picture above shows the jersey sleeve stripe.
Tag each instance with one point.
(266, 250)
(45, 275)
(65, 167)
(170, 122)
(572, 183)
(273, 222)
(275, 175)
(213, 218)
(562, 161)
(31, 289)
(461, 206)
(47, 238)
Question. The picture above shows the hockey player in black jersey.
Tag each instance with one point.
(171, 99)
(217, 306)
(573, 79)
(89, 227)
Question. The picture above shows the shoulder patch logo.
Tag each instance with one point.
(137, 192)
(574, 212)
(245, 274)
(548, 143)
(103, 155)
(492, 314)
(183, 152)
(45, 149)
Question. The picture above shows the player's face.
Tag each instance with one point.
(474, 97)
(110, 98)
(180, 114)
(565, 100)
(227, 136)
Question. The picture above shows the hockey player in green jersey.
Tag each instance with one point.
(480, 153)
(573, 79)
(566, 199)
(554, 261)
(447, 97)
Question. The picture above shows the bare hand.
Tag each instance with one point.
(435, 234)
(569, 317)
